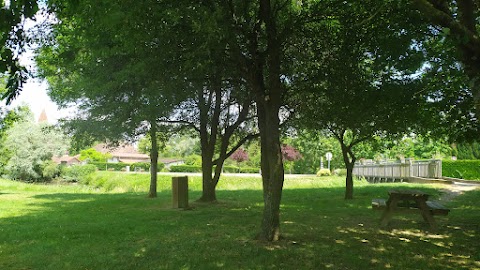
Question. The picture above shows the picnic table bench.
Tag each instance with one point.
(401, 200)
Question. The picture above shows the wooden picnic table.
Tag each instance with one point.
(408, 199)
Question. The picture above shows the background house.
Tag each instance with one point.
(67, 160)
(126, 153)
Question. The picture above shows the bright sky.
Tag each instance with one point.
(35, 96)
(34, 93)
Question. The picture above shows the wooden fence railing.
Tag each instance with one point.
(401, 170)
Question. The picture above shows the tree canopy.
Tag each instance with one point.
(13, 42)
(357, 69)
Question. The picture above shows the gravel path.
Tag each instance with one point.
(457, 189)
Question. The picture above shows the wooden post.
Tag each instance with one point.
(180, 192)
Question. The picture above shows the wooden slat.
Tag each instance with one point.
(437, 209)
(379, 204)
(434, 207)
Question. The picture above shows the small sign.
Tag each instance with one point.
(329, 156)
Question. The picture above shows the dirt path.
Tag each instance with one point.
(457, 189)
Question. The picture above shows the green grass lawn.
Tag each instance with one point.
(110, 224)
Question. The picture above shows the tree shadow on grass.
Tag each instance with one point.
(321, 229)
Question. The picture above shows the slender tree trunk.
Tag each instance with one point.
(208, 140)
(152, 193)
(349, 160)
(349, 181)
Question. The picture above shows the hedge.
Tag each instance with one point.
(227, 169)
(185, 168)
(102, 166)
(144, 166)
(464, 169)
(249, 170)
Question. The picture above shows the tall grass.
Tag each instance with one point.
(110, 224)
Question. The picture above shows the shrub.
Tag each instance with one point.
(249, 170)
(140, 165)
(160, 166)
(50, 170)
(340, 172)
(77, 173)
(465, 169)
(185, 168)
(193, 160)
(324, 172)
(145, 166)
(104, 166)
(230, 169)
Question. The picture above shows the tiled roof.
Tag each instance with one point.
(122, 151)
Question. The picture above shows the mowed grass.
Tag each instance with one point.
(110, 224)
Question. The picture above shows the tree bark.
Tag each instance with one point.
(349, 181)
(269, 92)
(208, 140)
(208, 183)
(272, 172)
(152, 193)
(349, 160)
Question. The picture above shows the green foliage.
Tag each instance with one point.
(467, 150)
(324, 172)
(93, 155)
(50, 170)
(416, 146)
(145, 166)
(31, 146)
(313, 145)
(77, 173)
(7, 120)
(340, 172)
(230, 169)
(106, 166)
(249, 170)
(193, 160)
(185, 168)
(13, 41)
(145, 144)
(182, 146)
(464, 169)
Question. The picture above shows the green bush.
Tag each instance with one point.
(77, 173)
(324, 172)
(249, 170)
(104, 166)
(185, 168)
(230, 169)
(50, 170)
(464, 169)
(137, 166)
(193, 160)
(340, 172)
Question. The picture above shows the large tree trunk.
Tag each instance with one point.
(272, 173)
(268, 95)
(152, 193)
